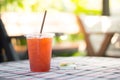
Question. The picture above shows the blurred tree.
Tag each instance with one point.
(7, 5)
(83, 7)
(75, 6)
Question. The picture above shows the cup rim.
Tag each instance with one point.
(39, 35)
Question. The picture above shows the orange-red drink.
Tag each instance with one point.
(39, 51)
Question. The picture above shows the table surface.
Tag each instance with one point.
(87, 68)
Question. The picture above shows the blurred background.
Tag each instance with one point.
(25, 16)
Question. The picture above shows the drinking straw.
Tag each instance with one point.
(43, 21)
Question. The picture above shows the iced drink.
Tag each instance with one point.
(39, 51)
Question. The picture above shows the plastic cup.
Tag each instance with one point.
(39, 51)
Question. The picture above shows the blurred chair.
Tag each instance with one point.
(6, 45)
(1, 56)
(89, 48)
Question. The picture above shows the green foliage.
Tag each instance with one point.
(21, 42)
(79, 53)
(69, 38)
(81, 8)
(75, 37)
(7, 5)
(34, 7)
(20, 4)
(86, 11)
(57, 39)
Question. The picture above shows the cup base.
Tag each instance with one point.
(39, 70)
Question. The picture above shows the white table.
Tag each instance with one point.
(87, 68)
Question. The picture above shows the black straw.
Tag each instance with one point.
(43, 21)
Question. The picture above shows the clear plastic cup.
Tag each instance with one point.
(39, 51)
